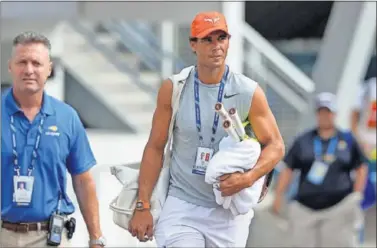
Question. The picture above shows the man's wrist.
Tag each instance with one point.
(143, 197)
(97, 241)
(95, 235)
(249, 178)
(142, 205)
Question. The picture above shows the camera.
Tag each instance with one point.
(70, 225)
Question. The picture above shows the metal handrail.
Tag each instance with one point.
(278, 62)
(111, 55)
(143, 30)
(135, 45)
(295, 100)
(128, 34)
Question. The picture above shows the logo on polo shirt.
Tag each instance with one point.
(342, 145)
(53, 131)
(53, 128)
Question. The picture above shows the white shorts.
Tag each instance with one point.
(182, 224)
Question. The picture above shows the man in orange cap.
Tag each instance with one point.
(190, 215)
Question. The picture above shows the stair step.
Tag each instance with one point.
(140, 120)
(131, 60)
(110, 87)
(131, 99)
(113, 78)
(106, 39)
(92, 63)
(144, 128)
(140, 117)
(114, 86)
(152, 78)
(145, 107)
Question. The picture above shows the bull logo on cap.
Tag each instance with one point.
(212, 20)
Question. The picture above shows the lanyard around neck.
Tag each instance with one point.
(331, 149)
(35, 149)
(197, 106)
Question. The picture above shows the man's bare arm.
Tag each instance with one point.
(152, 160)
(267, 132)
(85, 190)
(283, 181)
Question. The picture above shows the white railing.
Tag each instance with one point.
(283, 66)
(288, 89)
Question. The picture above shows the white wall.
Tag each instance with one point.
(30, 9)
(179, 11)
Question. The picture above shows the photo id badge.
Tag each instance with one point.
(203, 156)
(317, 172)
(23, 190)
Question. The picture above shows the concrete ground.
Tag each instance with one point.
(117, 149)
(268, 230)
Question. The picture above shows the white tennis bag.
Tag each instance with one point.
(123, 205)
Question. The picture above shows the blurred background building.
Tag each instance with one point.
(110, 58)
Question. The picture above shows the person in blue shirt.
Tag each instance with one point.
(41, 138)
(326, 208)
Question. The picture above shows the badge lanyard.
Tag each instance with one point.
(14, 147)
(330, 149)
(197, 106)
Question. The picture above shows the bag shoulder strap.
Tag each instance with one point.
(178, 81)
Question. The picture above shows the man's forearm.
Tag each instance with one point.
(284, 180)
(360, 178)
(270, 156)
(85, 190)
(149, 172)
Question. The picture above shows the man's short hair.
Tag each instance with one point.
(30, 37)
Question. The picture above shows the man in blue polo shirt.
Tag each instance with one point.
(41, 138)
(326, 210)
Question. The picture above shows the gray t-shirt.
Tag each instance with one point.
(183, 183)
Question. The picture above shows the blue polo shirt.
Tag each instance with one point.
(338, 183)
(63, 146)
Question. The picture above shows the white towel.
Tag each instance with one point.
(235, 157)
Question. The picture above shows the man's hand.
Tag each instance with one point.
(233, 183)
(96, 246)
(141, 225)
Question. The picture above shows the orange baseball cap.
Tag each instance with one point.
(205, 23)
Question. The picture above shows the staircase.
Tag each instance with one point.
(110, 77)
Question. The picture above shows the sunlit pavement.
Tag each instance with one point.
(117, 149)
